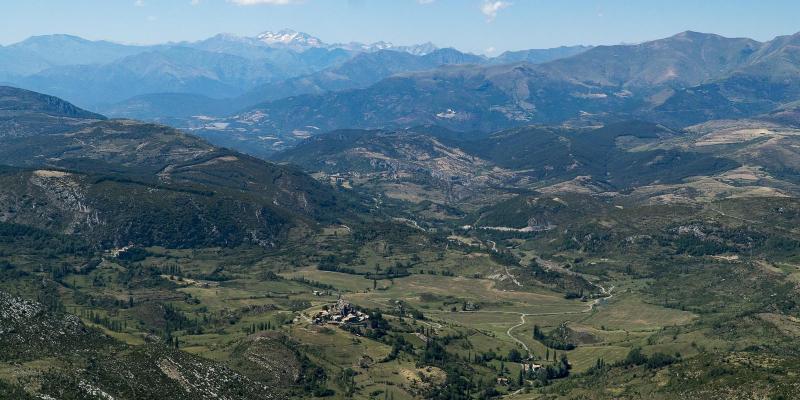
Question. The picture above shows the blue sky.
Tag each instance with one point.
(480, 26)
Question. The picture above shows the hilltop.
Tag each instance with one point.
(121, 181)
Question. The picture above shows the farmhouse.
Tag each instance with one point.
(531, 367)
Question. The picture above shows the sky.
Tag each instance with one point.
(478, 26)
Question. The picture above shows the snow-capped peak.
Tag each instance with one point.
(419, 49)
(289, 38)
(365, 47)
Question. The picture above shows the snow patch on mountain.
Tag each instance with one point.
(288, 38)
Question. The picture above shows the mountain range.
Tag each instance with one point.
(224, 73)
(633, 160)
(266, 93)
(678, 81)
(360, 71)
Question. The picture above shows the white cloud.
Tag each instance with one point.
(425, 1)
(270, 2)
(139, 3)
(151, 18)
(490, 8)
(194, 2)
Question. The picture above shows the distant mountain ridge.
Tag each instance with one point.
(537, 56)
(174, 69)
(38, 53)
(14, 101)
(92, 73)
(261, 97)
(682, 80)
(359, 71)
(24, 113)
(103, 76)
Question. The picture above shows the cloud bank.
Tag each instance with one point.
(491, 8)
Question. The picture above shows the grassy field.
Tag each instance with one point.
(631, 313)
(617, 325)
(481, 310)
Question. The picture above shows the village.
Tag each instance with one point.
(342, 313)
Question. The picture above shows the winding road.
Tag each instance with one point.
(522, 316)
(589, 308)
(510, 332)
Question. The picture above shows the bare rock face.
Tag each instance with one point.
(268, 356)
(398, 158)
(67, 193)
(28, 330)
(101, 367)
(117, 182)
